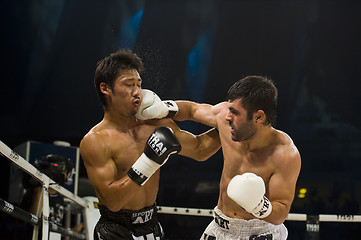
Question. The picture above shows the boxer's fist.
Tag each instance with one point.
(160, 145)
(153, 107)
(248, 191)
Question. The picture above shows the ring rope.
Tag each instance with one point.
(46, 183)
(34, 220)
(291, 216)
(28, 167)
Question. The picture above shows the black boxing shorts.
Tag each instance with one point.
(128, 224)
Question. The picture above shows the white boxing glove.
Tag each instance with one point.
(153, 107)
(248, 190)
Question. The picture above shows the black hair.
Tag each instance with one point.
(110, 68)
(256, 93)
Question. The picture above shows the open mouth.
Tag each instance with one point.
(136, 102)
(231, 128)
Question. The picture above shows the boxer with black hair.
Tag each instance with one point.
(123, 154)
(261, 163)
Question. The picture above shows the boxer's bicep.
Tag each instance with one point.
(282, 184)
(100, 167)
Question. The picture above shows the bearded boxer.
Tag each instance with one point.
(122, 154)
(261, 163)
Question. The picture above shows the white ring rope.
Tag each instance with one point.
(186, 211)
(28, 167)
(291, 216)
(46, 182)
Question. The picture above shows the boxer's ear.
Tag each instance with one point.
(104, 88)
(259, 116)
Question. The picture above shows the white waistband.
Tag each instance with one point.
(236, 225)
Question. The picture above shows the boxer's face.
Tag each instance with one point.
(242, 128)
(125, 94)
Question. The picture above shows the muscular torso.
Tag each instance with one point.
(238, 160)
(122, 149)
(112, 147)
(126, 149)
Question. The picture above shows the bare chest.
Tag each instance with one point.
(127, 148)
(236, 164)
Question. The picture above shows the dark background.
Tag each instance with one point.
(195, 50)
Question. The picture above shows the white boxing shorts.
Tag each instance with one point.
(226, 228)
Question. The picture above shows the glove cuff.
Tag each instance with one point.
(263, 209)
(142, 170)
(172, 108)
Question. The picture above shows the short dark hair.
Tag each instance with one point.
(110, 68)
(256, 93)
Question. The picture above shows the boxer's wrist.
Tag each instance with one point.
(160, 145)
(142, 170)
(263, 209)
(171, 109)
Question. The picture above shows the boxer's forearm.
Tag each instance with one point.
(198, 112)
(184, 110)
(279, 213)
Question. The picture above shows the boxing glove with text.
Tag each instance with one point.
(160, 145)
(153, 107)
(248, 190)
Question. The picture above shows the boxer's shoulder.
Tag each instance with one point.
(284, 146)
